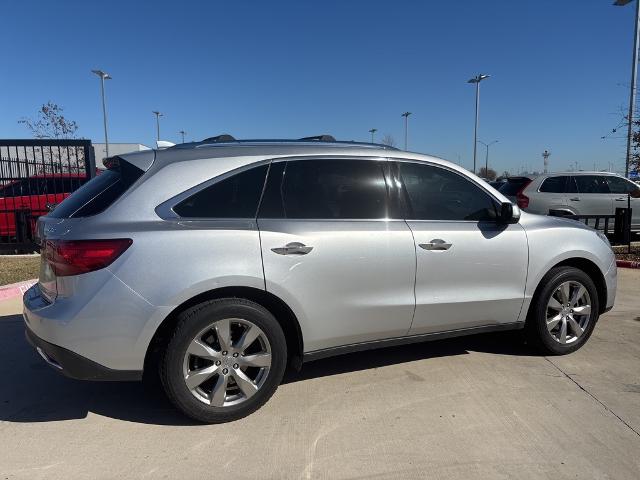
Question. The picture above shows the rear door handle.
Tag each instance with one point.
(436, 244)
(293, 248)
(575, 199)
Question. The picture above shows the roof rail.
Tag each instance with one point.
(224, 138)
(318, 138)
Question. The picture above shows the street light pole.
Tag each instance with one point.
(158, 115)
(486, 158)
(104, 76)
(477, 79)
(406, 129)
(372, 132)
(183, 133)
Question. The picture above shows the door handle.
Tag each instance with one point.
(293, 248)
(575, 199)
(623, 199)
(436, 244)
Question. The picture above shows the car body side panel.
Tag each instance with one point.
(553, 240)
(478, 281)
(355, 285)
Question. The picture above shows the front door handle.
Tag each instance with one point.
(575, 199)
(623, 199)
(293, 248)
(436, 244)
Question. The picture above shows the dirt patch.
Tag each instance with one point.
(17, 269)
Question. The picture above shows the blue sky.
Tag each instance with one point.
(559, 72)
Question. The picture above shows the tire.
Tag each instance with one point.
(219, 390)
(544, 312)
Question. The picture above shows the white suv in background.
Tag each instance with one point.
(576, 193)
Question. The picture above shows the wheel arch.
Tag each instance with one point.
(280, 310)
(591, 269)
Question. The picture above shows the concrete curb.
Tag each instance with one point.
(627, 264)
(15, 289)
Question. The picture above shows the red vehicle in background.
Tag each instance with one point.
(36, 196)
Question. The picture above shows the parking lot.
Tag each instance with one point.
(475, 407)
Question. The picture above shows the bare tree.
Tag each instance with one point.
(388, 140)
(488, 174)
(505, 174)
(50, 123)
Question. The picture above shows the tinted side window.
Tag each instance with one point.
(438, 194)
(620, 185)
(236, 196)
(591, 184)
(334, 189)
(554, 185)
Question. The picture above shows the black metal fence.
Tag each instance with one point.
(34, 176)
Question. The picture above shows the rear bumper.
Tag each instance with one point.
(76, 366)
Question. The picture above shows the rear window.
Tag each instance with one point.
(98, 193)
(513, 185)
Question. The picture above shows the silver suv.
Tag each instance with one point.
(576, 193)
(219, 263)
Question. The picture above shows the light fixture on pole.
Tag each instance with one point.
(634, 68)
(372, 132)
(477, 79)
(406, 129)
(486, 158)
(158, 115)
(183, 133)
(104, 76)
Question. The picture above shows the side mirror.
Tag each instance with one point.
(508, 213)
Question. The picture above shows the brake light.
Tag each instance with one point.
(74, 257)
(521, 199)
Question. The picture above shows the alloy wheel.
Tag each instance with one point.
(568, 312)
(227, 362)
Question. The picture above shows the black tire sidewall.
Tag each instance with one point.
(190, 323)
(537, 321)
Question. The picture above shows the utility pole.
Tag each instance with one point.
(183, 133)
(634, 69)
(406, 129)
(158, 115)
(372, 132)
(545, 156)
(486, 158)
(477, 79)
(104, 76)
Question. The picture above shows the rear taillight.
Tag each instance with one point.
(73, 257)
(521, 198)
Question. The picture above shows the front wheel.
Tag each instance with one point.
(563, 311)
(224, 361)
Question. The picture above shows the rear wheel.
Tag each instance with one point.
(563, 312)
(224, 361)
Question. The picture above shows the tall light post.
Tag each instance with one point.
(158, 115)
(104, 76)
(373, 132)
(183, 133)
(477, 79)
(634, 68)
(486, 158)
(406, 129)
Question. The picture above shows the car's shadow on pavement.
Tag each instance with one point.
(31, 391)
